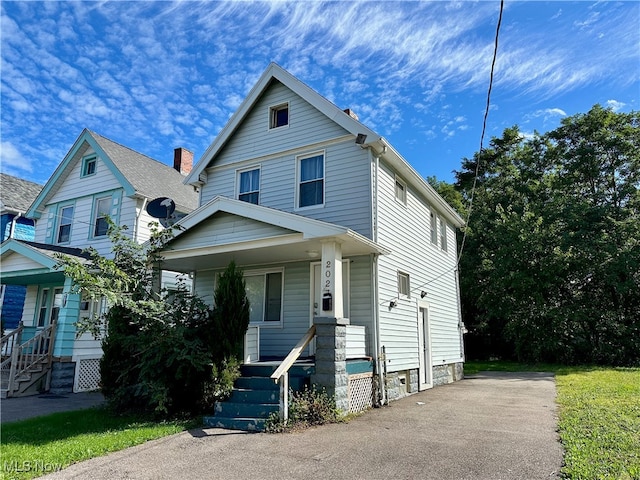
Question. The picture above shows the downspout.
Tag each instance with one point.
(375, 303)
(14, 220)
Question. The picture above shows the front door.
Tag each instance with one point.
(424, 342)
(50, 303)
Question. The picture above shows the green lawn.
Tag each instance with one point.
(599, 418)
(33, 447)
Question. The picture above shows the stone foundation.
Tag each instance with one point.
(406, 382)
(62, 376)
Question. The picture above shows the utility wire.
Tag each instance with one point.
(484, 128)
(477, 170)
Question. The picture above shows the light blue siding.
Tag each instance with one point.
(347, 178)
(405, 230)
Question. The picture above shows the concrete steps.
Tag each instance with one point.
(255, 397)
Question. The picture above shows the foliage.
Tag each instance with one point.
(55, 441)
(551, 267)
(162, 354)
(306, 408)
(231, 315)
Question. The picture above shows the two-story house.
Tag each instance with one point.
(333, 230)
(97, 178)
(16, 196)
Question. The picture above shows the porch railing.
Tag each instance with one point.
(36, 350)
(9, 341)
(281, 374)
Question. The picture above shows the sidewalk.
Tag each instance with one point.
(21, 408)
(491, 426)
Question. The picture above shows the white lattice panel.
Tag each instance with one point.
(87, 375)
(360, 392)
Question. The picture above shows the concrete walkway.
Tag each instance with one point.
(21, 408)
(491, 426)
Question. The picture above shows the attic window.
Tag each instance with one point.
(88, 166)
(279, 116)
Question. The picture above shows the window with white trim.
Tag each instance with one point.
(101, 212)
(50, 305)
(264, 291)
(249, 186)
(311, 180)
(279, 116)
(434, 228)
(443, 234)
(401, 191)
(404, 284)
(64, 224)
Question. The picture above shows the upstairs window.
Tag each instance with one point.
(279, 116)
(443, 234)
(311, 180)
(404, 286)
(249, 186)
(88, 166)
(401, 191)
(64, 225)
(434, 228)
(102, 207)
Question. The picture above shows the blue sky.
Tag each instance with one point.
(157, 75)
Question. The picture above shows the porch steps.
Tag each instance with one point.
(28, 383)
(255, 397)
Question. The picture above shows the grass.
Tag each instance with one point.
(37, 446)
(599, 417)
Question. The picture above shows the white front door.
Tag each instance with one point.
(424, 342)
(315, 309)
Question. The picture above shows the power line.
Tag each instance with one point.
(477, 170)
(484, 128)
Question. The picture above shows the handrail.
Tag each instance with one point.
(294, 354)
(283, 371)
(33, 351)
(8, 342)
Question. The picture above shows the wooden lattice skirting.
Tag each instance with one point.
(360, 392)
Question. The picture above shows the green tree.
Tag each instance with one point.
(551, 265)
(161, 353)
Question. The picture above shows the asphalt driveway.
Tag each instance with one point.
(490, 426)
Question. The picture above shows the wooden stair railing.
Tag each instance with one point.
(24, 356)
(282, 372)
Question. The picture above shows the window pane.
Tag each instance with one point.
(311, 193)
(64, 233)
(311, 168)
(255, 294)
(44, 300)
(102, 210)
(434, 231)
(249, 197)
(274, 297)
(64, 230)
(401, 192)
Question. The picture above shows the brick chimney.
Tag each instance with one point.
(182, 160)
(351, 113)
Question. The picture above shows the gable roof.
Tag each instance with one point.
(308, 227)
(16, 194)
(138, 174)
(379, 146)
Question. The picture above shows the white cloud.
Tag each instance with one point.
(615, 105)
(12, 160)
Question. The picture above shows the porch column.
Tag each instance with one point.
(331, 330)
(67, 317)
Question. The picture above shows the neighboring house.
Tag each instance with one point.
(97, 178)
(16, 196)
(332, 228)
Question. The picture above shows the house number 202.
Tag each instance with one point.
(327, 275)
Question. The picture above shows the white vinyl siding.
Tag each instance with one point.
(430, 270)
